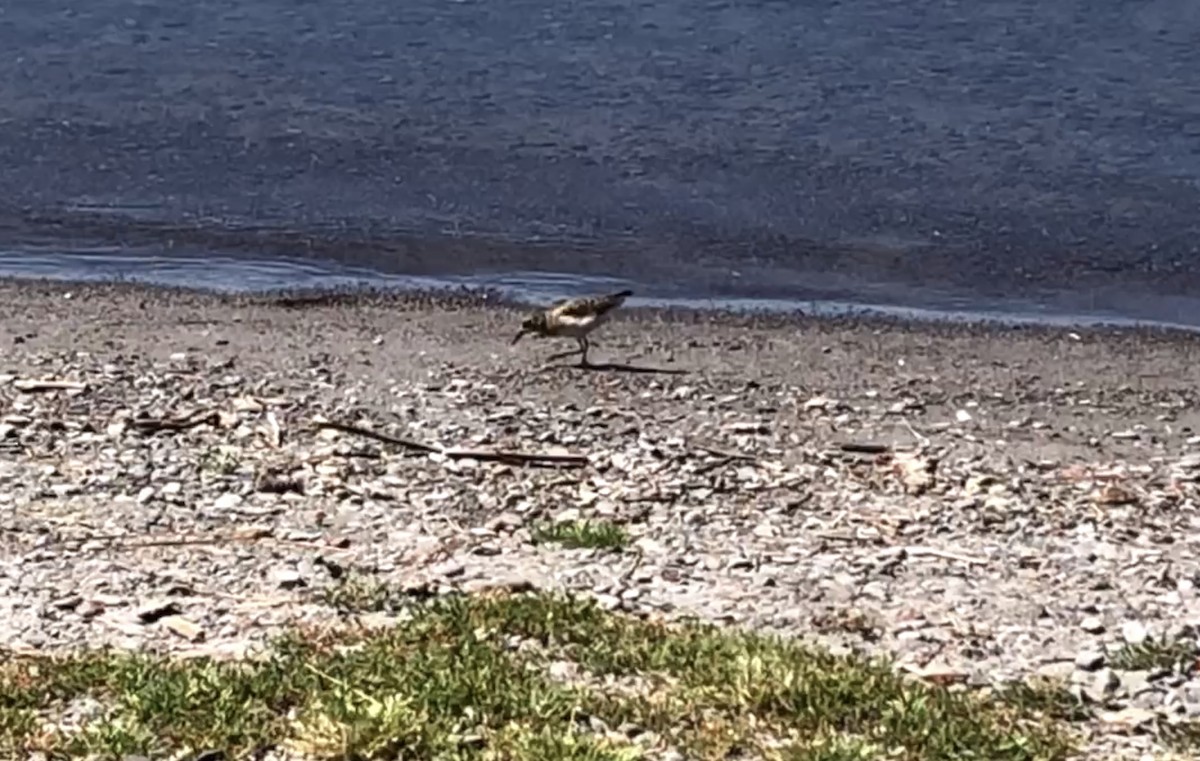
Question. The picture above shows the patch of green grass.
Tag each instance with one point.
(599, 535)
(362, 594)
(1161, 653)
(474, 678)
(1183, 737)
(1045, 697)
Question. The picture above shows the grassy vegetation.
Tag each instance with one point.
(1183, 737)
(598, 535)
(1161, 653)
(513, 677)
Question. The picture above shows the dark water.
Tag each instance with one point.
(1037, 157)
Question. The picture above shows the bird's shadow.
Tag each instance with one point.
(615, 367)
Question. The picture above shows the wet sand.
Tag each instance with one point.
(406, 335)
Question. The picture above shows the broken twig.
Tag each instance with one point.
(32, 385)
(154, 425)
(383, 438)
(933, 552)
(483, 455)
(864, 448)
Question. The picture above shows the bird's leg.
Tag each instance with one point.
(563, 354)
(583, 351)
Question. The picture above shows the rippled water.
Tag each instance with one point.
(1044, 157)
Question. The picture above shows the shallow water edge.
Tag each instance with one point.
(313, 282)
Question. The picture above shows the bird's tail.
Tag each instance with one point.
(611, 301)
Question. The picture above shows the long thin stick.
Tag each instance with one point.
(416, 446)
(483, 455)
(153, 425)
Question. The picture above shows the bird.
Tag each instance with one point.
(574, 318)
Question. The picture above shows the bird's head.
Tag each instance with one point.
(534, 323)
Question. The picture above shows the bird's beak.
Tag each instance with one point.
(518, 336)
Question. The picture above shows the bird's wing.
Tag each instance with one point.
(595, 305)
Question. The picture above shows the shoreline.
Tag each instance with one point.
(829, 277)
(376, 297)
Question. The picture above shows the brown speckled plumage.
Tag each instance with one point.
(575, 318)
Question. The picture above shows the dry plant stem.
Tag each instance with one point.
(116, 541)
(154, 425)
(34, 385)
(933, 552)
(383, 438)
(727, 455)
(483, 455)
(864, 448)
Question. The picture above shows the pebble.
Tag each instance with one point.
(289, 578)
(1092, 625)
(449, 569)
(156, 610)
(1134, 633)
(1090, 660)
(227, 501)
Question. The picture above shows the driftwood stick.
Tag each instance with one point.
(727, 454)
(483, 455)
(33, 385)
(415, 446)
(864, 448)
(153, 425)
(518, 458)
(917, 551)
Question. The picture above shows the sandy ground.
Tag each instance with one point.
(391, 337)
(1061, 521)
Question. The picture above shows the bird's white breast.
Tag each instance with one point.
(579, 326)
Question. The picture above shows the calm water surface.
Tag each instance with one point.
(1039, 158)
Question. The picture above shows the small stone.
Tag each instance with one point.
(1092, 625)
(1089, 660)
(289, 578)
(569, 515)
(184, 628)
(449, 569)
(227, 501)
(563, 671)
(1056, 671)
(157, 610)
(89, 609)
(650, 547)
(1128, 719)
(1100, 686)
(914, 471)
(1134, 632)
(70, 602)
(1114, 494)
(1137, 682)
(608, 602)
(506, 521)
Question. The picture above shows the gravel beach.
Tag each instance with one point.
(982, 503)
